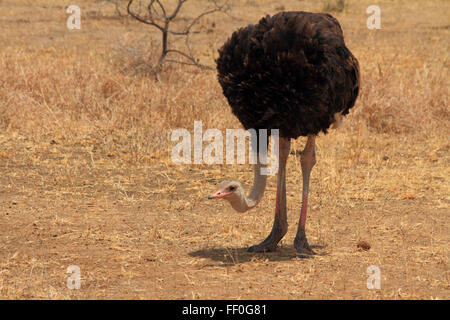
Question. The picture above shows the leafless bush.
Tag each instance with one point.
(157, 15)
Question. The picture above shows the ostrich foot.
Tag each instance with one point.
(304, 250)
(279, 229)
(265, 246)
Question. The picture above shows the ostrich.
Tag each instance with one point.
(291, 72)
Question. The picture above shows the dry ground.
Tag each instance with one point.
(86, 177)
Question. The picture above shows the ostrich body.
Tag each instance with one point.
(291, 72)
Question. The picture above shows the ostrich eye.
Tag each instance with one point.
(232, 188)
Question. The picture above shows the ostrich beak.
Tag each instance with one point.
(219, 194)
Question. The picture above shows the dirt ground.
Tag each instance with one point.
(86, 177)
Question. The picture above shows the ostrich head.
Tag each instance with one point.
(228, 190)
(234, 193)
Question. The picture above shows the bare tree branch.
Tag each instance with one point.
(143, 20)
(162, 21)
(223, 7)
(177, 9)
(162, 8)
(153, 14)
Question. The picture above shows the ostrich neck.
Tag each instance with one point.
(242, 203)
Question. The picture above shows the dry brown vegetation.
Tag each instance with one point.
(86, 177)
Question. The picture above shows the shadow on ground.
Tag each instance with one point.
(231, 256)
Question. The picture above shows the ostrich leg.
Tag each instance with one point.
(280, 225)
(308, 159)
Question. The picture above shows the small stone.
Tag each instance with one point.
(364, 245)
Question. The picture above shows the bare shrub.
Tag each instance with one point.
(157, 15)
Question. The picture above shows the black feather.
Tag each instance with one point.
(291, 72)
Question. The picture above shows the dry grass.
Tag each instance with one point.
(86, 177)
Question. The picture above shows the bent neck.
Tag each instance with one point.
(240, 202)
